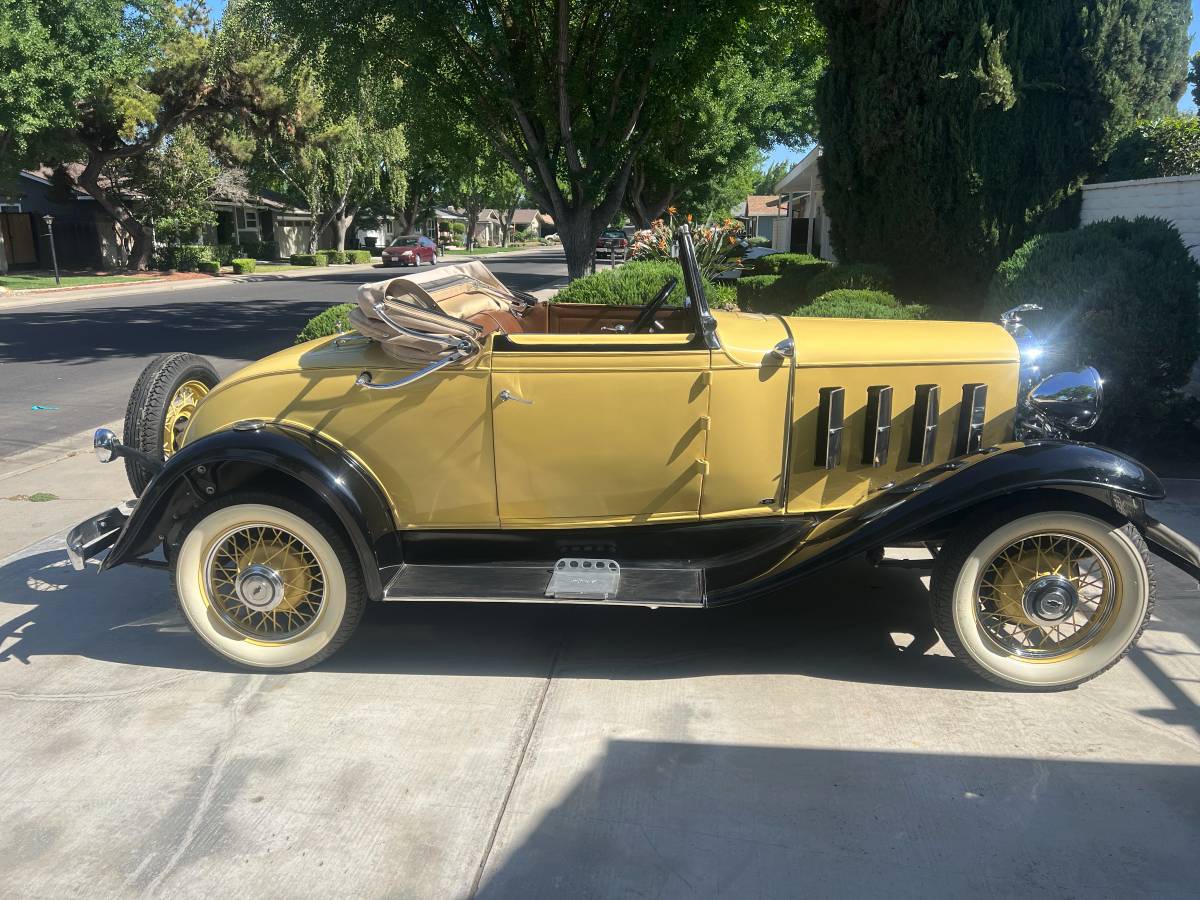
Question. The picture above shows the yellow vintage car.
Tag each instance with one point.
(464, 442)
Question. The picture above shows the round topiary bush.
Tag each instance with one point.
(851, 276)
(852, 304)
(333, 321)
(1123, 296)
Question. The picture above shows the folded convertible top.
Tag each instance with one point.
(420, 317)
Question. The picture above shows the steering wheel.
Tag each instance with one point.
(645, 318)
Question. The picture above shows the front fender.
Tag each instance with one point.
(194, 474)
(901, 512)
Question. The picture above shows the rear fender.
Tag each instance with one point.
(212, 465)
(902, 512)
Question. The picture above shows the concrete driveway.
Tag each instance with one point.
(786, 749)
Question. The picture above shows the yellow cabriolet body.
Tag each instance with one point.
(620, 429)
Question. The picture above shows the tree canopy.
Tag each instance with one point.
(562, 89)
(953, 130)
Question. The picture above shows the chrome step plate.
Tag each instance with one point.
(576, 578)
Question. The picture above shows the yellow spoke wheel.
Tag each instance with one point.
(179, 412)
(267, 583)
(1044, 600)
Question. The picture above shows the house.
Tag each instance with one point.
(85, 236)
(758, 212)
(488, 230)
(533, 221)
(806, 228)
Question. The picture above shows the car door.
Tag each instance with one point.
(599, 428)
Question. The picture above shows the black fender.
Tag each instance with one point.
(205, 468)
(900, 512)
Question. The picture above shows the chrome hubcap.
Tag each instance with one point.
(1050, 599)
(259, 587)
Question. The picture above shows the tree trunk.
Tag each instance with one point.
(143, 244)
(408, 215)
(341, 224)
(579, 237)
(472, 224)
(506, 218)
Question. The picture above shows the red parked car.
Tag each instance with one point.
(615, 238)
(410, 250)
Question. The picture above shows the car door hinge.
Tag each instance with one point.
(706, 423)
(702, 466)
(705, 379)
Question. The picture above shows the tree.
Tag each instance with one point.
(560, 88)
(1194, 77)
(770, 175)
(755, 93)
(167, 69)
(953, 130)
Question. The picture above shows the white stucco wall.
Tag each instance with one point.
(1176, 199)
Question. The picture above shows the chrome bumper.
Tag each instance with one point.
(92, 535)
(1172, 546)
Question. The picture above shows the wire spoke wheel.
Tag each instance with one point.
(179, 412)
(1046, 595)
(264, 582)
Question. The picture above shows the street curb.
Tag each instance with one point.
(101, 293)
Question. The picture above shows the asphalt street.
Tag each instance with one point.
(79, 360)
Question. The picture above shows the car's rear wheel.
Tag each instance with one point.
(1043, 601)
(267, 583)
(162, 404)
(433, 260)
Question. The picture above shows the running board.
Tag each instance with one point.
(528, 584)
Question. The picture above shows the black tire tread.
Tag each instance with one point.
(147, 407)
(945, 572)
(356, 589)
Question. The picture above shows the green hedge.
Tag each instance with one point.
(209, 266)
(851, 304)
(767, 293)
(333, 321)
(1123, 296)
(758, 241)
(358, 257)
(1158, 149)
(304, 259)
(243, 266)
(631, 284)
(223, 253)
(182, 257)
(852, 276)
(260, 250)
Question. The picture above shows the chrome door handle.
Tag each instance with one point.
(506, 394)
(617, 329)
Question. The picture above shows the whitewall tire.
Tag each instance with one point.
(266, 583)
(1045, 600)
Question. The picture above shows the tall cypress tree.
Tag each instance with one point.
(954, 129)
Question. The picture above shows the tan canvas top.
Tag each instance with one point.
(435, 303)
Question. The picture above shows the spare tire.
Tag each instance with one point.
(161, 405)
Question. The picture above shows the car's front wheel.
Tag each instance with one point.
(1045, 600)
(267, 583)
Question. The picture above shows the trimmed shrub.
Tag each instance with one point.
(303, 259)
(631, 284)
(851, 276)
(243, 266)
(338, 257)
(799, 269)
(851, 304)
(182, 257)
(358, 257)
(333, 321)
(721, 295)
(223, 253)
(767, 293)
(1123, 296)
(325, 257)
(1158, 149)
(758, 241)
(209, 266)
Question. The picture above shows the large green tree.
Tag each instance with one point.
(756, 92)
(953, 129)
(169, 69)
(561, 88)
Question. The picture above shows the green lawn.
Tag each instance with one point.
(24, 281)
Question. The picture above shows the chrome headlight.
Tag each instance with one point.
(1058, 405)
(105, 443)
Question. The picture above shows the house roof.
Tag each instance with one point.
(764, 205)
(524, 216)
(804, 175)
